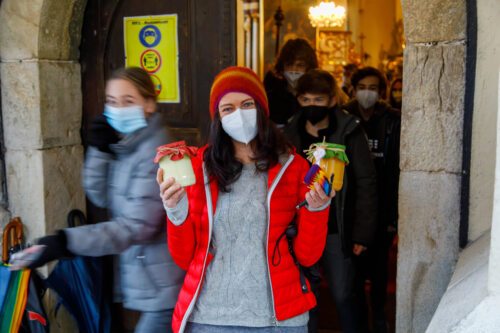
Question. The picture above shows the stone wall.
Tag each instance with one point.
(4, 214)
(485, 114)
(3, 184)
(431, 157)
(472, 299)
(42, 110)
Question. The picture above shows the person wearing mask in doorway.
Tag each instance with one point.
(396, 94)
(120, 175)
(353, 212)
(382, 125)
(296, 57)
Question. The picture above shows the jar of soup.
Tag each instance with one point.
(175, 161)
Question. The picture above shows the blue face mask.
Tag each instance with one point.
(127, 119)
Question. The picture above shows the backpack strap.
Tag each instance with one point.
(76, 215)
(290, 235)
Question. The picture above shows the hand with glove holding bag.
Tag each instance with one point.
(48, 248)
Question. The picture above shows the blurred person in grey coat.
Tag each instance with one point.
(120, 175)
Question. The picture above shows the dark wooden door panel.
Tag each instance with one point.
(97, 20)
(213, 41)
(206, 36)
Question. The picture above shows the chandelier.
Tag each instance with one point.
(327, 15)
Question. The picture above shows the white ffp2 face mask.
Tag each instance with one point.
(241, 125)
(367, 98)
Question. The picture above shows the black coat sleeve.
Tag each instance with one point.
(282, 103)
(364, 178)
(392, 174)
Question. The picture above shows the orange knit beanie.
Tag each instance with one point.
(237, 79)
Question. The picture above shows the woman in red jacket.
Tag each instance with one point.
(228, 232)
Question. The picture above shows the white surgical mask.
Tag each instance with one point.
(367, 98)
(241, 125)
(125, 119)
(292, 77)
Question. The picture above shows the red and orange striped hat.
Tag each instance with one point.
(237, 79)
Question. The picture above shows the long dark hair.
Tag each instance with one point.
(361, 73)
(296, 49)
(393, 103)
(316, 81)
(220, 161)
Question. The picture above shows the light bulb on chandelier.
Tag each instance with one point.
(327, 15)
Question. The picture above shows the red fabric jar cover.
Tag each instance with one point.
(176, 151)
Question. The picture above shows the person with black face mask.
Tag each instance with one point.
(382, 124)
(353, 213)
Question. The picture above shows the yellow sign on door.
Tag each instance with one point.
(151, 43)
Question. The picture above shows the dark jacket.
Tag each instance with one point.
(383, 131)
(354, 210)
(126, 185)
(282, 103)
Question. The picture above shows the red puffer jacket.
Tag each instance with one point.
(189, 242)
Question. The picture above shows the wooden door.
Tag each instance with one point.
(206, 34)
(206, 41)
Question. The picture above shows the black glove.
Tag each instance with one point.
(101, 134)
(55, 248)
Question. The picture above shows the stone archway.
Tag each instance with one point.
(41, 109)
(41, 112)
(431, 156)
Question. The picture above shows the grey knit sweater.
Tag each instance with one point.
(236, 290)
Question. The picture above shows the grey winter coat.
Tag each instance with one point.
(126, 185)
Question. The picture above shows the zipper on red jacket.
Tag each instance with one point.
(210, 222)
(208, 195)
(270, 193)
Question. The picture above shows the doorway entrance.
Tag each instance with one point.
(430, 183)
(355, 35)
